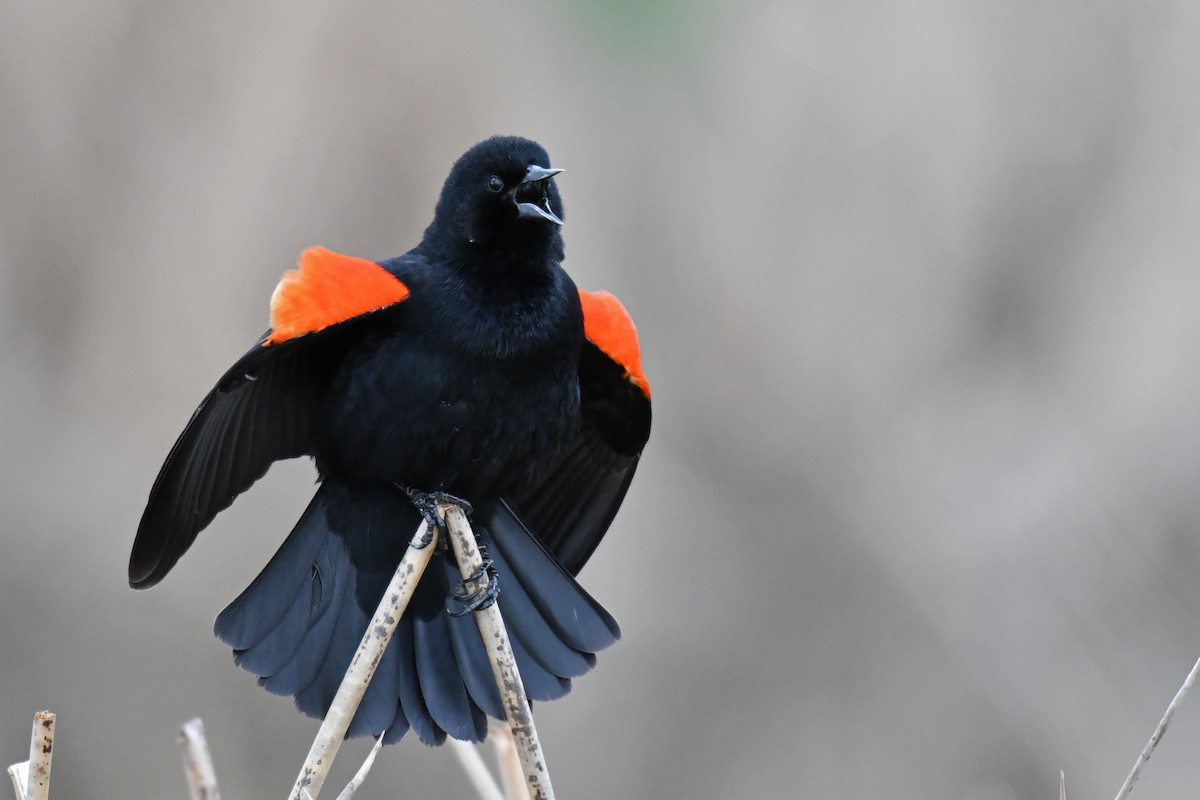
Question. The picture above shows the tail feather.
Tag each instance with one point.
(330, 578)
(539, 684)
(314, 698)
(576, 618)
(412, 700)
(474, 666)
(445, 695)
(525, 622)
(399, 721)
(260, 609)
(299, 623)
(277, 649)
(377, 711)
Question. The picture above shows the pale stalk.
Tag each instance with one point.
(19, 774)
(509, 763)
(477, 771)
(366, 659)
(41, 751)
(500, 655)
(1156, 737)
(197, 763)
(361, 775)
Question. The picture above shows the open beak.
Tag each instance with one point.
(532, 195)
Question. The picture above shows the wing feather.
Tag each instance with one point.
(265, 408)
(574, 502)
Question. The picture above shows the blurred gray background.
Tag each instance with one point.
(918, 292)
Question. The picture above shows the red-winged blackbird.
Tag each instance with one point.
(471, 366)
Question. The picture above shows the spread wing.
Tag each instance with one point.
(571, 507)
(265, 408)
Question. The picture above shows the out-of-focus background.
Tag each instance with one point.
(918, 289)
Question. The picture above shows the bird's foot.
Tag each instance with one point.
(481, 597)
(427, 504)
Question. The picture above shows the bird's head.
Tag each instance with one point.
(500, 199)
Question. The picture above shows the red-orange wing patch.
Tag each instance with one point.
(326, 289)
(608, 325)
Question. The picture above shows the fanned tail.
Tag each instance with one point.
(299, 623)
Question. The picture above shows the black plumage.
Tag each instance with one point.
(479, 382)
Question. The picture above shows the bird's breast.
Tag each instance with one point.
(417, 410)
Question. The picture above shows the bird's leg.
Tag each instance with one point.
(482, 597)
(426, 503)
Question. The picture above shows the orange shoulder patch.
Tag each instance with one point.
(608, 325)
(326, 289)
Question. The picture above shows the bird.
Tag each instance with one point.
(471, 368)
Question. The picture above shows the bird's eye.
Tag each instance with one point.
(495, 184)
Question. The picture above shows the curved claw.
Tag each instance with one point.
(461, 592)
(485, 595)
(479, 599)
(427, 539)
(427, 504)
